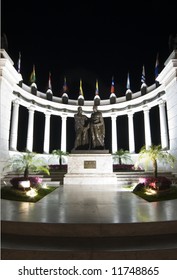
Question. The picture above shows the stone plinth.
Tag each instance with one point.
(90, 169)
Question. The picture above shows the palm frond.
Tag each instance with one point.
(154, 153)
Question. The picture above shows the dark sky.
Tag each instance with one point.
(88, 40)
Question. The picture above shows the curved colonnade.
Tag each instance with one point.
(22, 96)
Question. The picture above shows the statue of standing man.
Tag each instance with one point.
(90, 133)
(81, 130)
(97, 129)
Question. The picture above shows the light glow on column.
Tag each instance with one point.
(147, 128)
(131, 133)
(114, 133)
(29, 142)
(14, 126)
(163, 126)
(47, 133)
(63, 133)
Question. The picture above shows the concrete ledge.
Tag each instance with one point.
(89, 229)
(158, 254)
(136, 247)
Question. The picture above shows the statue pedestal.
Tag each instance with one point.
(90, 169)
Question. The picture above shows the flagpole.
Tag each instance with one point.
(157, 66)
(157, 69)
(19, 63)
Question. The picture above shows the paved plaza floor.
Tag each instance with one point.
(89, 204)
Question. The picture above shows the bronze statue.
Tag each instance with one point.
(97, 129)
(81, 129)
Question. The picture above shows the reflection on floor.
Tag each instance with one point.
(90, 204)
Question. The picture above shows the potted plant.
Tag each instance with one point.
(59, 154)
(153, 154)
(123, 157)
(27, 162)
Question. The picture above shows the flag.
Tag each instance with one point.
(112, 85)
(143, 80)
(33, 76)
(128, 81)
(81, 90)
(65, 85)
(19, 63)
(157, 66)
(49, 81)
(96, 90)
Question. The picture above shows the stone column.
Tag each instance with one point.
(163, 126)
(114, 133)
(46, 146)
(131, 137)
(14, 126)
(147, 128)
(29, 141)
(63, 133)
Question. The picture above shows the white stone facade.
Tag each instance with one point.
(168, 78)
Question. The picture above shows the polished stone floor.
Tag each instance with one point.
(89, 204)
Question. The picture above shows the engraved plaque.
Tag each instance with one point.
(89, 164)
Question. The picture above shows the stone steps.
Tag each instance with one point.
(6, 180)
(123, 177)
(136, 248)
(89, 241)
(128, 178)
(55, 177)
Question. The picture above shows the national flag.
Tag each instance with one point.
(112, 85)
(157, 66)
(96, 90)
(143, 79)
(65, 88)
(33, 76)
(81, 89)
(128, 81)
(49, 81)
(19, 63)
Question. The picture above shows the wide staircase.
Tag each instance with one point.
(124, 178)
(48, 241)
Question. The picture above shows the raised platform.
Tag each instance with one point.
(90, 169)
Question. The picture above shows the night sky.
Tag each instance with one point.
(88, 40)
